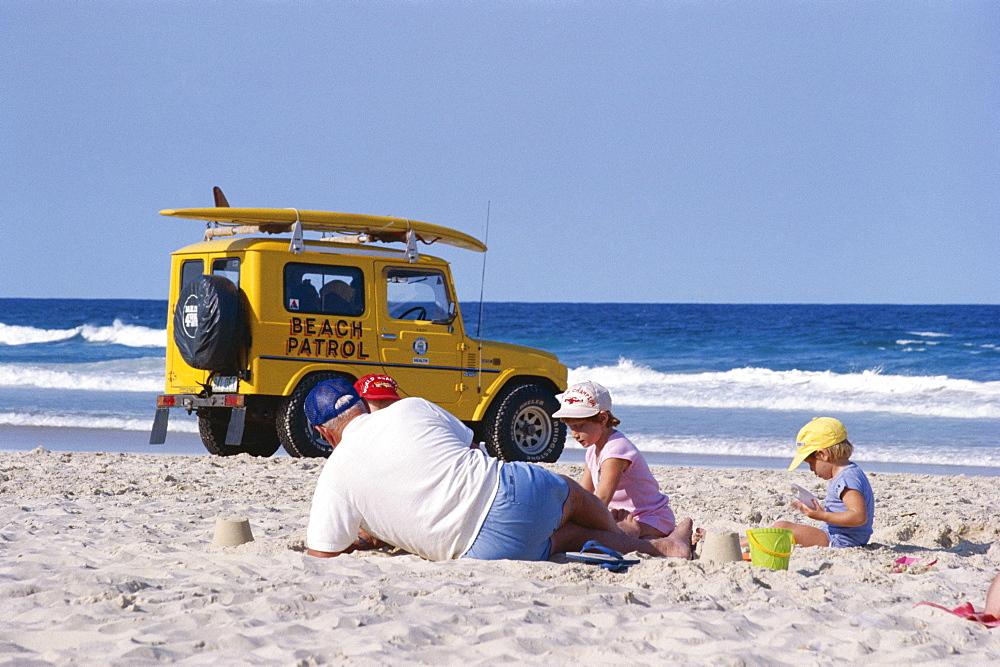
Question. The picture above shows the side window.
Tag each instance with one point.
(228, 267)
(416, 294)
(325, 290)
(191, 269)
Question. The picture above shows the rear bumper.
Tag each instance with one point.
(189, 402)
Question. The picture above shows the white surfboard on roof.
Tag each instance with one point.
(365, 228)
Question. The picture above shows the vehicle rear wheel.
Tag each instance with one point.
(259, 437)
(297, 436)
(519, 426)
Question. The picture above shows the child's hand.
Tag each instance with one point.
(629, 525)
(810, 512)
(619, 514)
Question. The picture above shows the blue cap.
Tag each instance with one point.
(329, 399)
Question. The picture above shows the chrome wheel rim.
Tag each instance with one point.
(532, 430)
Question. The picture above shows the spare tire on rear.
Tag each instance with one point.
(208, 324)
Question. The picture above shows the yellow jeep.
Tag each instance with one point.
(255, 323)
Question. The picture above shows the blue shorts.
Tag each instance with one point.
(527, 509)
(843, 540)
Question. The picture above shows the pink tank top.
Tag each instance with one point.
(638, 491)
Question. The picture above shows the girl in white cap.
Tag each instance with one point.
(616, 471)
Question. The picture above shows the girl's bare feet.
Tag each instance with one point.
(678, 544)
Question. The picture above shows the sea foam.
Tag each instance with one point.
(144, 374)
(929, 334)
(817, 391)
(103, 422)
(767, 448)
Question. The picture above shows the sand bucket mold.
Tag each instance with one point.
(231, 532)
(720, 547)
(770, 547)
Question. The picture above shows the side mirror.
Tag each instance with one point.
(452, 311)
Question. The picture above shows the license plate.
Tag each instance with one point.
(224, 384)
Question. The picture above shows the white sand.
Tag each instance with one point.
(106, 558)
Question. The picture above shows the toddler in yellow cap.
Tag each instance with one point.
(848, 511)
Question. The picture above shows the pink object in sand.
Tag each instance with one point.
(907, 560)
(969, 613)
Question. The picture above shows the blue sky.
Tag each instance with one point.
(793, 152)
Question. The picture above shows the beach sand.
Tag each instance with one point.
(107, 558)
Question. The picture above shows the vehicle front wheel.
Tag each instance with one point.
(297, 436)
(520, 427)
(259, 437)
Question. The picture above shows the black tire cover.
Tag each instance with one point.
(208, 324)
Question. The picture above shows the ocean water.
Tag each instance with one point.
(716, 385)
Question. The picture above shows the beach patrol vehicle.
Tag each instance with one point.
(255, 323)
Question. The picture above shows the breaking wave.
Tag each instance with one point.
(103, 422)
(117, 333)
(144, 374)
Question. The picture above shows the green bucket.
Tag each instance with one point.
(770, 547)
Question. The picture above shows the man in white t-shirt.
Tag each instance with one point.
(406, 475)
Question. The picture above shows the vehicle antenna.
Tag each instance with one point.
(482, 288)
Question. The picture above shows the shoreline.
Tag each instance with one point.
(718, 462)
(27, 438)
(110, 555)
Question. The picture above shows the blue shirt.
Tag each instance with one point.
(850, 477)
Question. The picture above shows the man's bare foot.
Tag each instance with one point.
(678, 543)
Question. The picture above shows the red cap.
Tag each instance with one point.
(377, 387)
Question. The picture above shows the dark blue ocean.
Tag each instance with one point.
(719, 385)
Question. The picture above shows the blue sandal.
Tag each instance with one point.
(595, 553)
